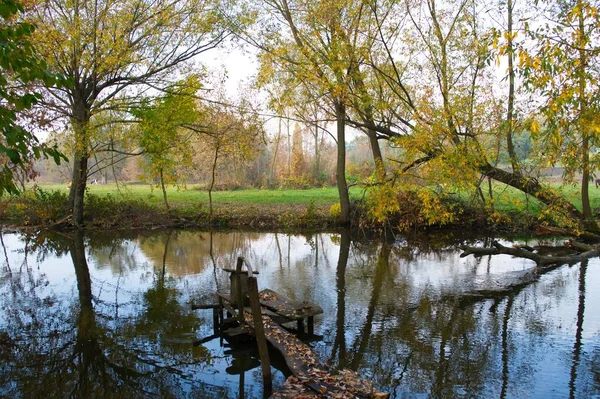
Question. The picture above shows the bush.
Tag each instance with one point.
(36, 206)
(108, 211)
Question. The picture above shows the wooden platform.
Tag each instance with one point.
(311, 378)
(282, 309)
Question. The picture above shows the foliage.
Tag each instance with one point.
(114, 52)
(561, 68)
(162, 138)
(37, 206)
(335, 210)
(20, 66)
(410, 207)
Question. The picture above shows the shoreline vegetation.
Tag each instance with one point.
(140, 206)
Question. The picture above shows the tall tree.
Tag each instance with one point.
(113, 51)
(317, 44)
(562, 67)
(225, 132)
(163, 139)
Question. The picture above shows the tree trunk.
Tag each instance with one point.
(377, 157)
(340, 114)
(317, 168)
(532, 187)
(212, 181)
(588, 218)
(274, 160)
(541, 260)
(511, 92)
(80, 123)
(163, 188)
(78, 185)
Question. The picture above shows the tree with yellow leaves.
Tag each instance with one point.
(115, 53)
(319, 45)
(562, 68)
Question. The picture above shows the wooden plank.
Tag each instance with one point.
(208, 306)
(227, 304)
(235, 271)
(310, 374)
(293, 310)
(241, 330)
(261, 340)
(285, 309)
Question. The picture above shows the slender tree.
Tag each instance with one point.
(318, 46)
(562, 68)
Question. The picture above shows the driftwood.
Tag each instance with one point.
(516, 282)
(581, 252)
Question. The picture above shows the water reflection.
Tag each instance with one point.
(73, 346)
(110, 316)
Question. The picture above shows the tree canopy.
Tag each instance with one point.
(20, 68)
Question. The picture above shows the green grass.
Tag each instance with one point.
(511, 200)
(191, 194)
(506, 199)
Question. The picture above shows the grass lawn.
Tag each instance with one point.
(141, 206)
(506, 199)
(191, 194)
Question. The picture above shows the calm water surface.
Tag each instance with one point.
(109, 316)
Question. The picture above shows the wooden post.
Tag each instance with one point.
(261, 339)
(237, 292)
(300, 325)
(216, 321)
(311, 325)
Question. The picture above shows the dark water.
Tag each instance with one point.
(109, 316)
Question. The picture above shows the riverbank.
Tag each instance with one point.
(140, 207)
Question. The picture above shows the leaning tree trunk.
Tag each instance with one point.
(377, 156)
(532, 187)
(340, 114)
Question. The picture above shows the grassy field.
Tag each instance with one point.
(130, 205)
(141, 206)
(192, 194)
(505, 198)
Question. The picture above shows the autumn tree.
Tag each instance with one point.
(225, 132)
(316, 44)
(20, 68)
(162, 138)
(113, 52)
(445, 116)
(561, 66)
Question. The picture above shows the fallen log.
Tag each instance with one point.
(540, 260)
(311, 377)
(557, 231)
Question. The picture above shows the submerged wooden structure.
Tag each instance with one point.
(262, 314)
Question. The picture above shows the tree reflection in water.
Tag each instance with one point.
(117, 323)
(67, 347)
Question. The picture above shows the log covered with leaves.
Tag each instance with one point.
(311, 378)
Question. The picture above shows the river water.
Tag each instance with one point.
(109, 315)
